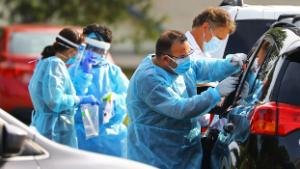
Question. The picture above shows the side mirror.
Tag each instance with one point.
(12, 139)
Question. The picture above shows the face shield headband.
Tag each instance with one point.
(68, 42)
(98, 44)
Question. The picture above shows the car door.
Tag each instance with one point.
(262, 74)
(261, 58)
(15, 151)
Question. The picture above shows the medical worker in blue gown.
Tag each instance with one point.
(52, 93)
(162, 102)
(108, 83)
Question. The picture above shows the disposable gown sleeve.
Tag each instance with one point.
(55, 88)
(212, 69)
(119, 95)
(163, 99)
(81, 80)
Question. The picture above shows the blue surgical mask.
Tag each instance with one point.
(71, 60)
(212, 45)
(183, 65)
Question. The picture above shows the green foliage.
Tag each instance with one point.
(83, 12)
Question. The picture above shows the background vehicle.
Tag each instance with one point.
(21, 147)
(20, 44)
(266, 123)
(252, 21)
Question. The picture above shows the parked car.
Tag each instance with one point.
(22, 147)
(265, 132)
(20, 46)
(252, 21)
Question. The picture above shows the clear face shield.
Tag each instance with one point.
(98, 49)
(72, 47)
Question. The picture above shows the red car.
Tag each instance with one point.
(20, 46)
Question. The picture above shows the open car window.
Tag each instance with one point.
(258, 72)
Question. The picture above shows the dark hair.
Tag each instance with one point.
(60, 45)
(216, 17)
(165, 41)
(103, 33)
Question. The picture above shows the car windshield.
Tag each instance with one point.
(30, 42)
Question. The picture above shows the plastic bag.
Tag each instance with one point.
(90, 118)
(108, 109)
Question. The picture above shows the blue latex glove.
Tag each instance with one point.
(89, 99)
(227, 86)
(87, 62)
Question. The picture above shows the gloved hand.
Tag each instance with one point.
(245, 90)
(226, 86)
(87, 62)
(89, 99)
(238, 59)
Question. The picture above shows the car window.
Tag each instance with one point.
(246, 34)
(30, 42)
(289, 91)
(258, 75)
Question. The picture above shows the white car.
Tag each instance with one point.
(22, 147)
(252, 21)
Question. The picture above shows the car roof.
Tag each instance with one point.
(267, 12)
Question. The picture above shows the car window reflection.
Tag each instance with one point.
(257, 76)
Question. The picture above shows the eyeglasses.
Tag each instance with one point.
(181, 56)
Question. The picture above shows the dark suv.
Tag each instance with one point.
(265, 125)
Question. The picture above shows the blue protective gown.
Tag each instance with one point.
(53, 97)
(105, 78)
(162, 108)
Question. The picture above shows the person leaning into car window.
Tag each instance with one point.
(209, 29)
(52, 92)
